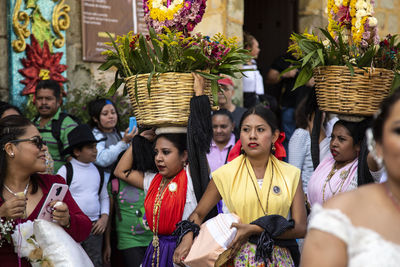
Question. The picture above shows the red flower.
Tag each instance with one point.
(190, 26)
(386, 42)
(40, 64)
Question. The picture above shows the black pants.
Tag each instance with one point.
(133, 257)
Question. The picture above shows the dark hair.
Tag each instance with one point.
(11, 128)
(248, 40)
(178, 139)
(95, 107)
(384, 113)
(79, 147)
(143, 154)
(265, 113)
(51, 85)
(357, 132)
(223, 112)
(356, 129)
(4, 106)
(305, 109)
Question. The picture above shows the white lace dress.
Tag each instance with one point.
(365, 247)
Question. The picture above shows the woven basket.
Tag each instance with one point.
(169, 100)
(361, 94)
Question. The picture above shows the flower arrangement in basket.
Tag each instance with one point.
(352, 68)
(156, 68)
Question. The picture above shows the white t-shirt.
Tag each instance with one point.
(84, 189)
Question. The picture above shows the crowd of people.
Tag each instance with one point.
(138, 197)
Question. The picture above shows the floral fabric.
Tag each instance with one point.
(246, 257)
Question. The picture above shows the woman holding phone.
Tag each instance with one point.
(23, 191)
(103, 120)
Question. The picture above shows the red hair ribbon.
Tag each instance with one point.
(280, 151)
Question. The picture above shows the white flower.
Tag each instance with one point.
(361, 5)
(163, 8)
(345, 38)
(157, 3)
(358, 24)
(338, 2)
(20, 236)
(372, 21)
(326, 43)
(361, 13)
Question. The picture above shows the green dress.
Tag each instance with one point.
(132, 230)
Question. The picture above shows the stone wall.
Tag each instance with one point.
(216, 19)
(3, 52)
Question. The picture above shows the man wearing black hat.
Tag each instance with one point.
(85, 182)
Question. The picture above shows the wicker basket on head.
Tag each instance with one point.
(361, 94)
(169, 100)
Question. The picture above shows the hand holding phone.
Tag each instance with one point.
(132, 123)
(57, 193)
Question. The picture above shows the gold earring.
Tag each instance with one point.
(273, 147)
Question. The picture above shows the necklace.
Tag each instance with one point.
(269, 189)
(156, 209)
(394, 199)
(343, 177)
(15, 194)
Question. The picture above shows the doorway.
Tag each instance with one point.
(271, 22)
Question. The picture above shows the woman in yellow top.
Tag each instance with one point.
(254, 186)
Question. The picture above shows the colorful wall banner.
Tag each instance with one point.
(47, 20)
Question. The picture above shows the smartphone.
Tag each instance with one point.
(57, 192)
(132, 123)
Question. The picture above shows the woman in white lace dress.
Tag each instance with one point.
(361, 228)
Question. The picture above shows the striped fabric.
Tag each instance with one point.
(67, 126)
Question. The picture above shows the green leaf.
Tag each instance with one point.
(396, 82)
(321, 56)
(329, 36)
(307, 58)
(156, 47)
(214, 91)
(149, 82)
(208, 75)
(288, 69)
(136, 90)
(292, 61)
(114, 44)
(145, 54)
(351, 68)
(116, 84)
(165, 55)
(366, 59)
(108, 64)
(304, 76)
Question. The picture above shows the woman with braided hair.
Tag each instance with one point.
(361, 228)
(348, 166)
(172, 193)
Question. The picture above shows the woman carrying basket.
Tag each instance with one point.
(171, 194)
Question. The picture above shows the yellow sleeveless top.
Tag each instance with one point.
(238, 186)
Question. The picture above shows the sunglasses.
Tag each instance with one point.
(36, 140)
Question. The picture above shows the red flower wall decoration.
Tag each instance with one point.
(40, 64)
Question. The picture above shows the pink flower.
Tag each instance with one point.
(190, 26)
(187, 5)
